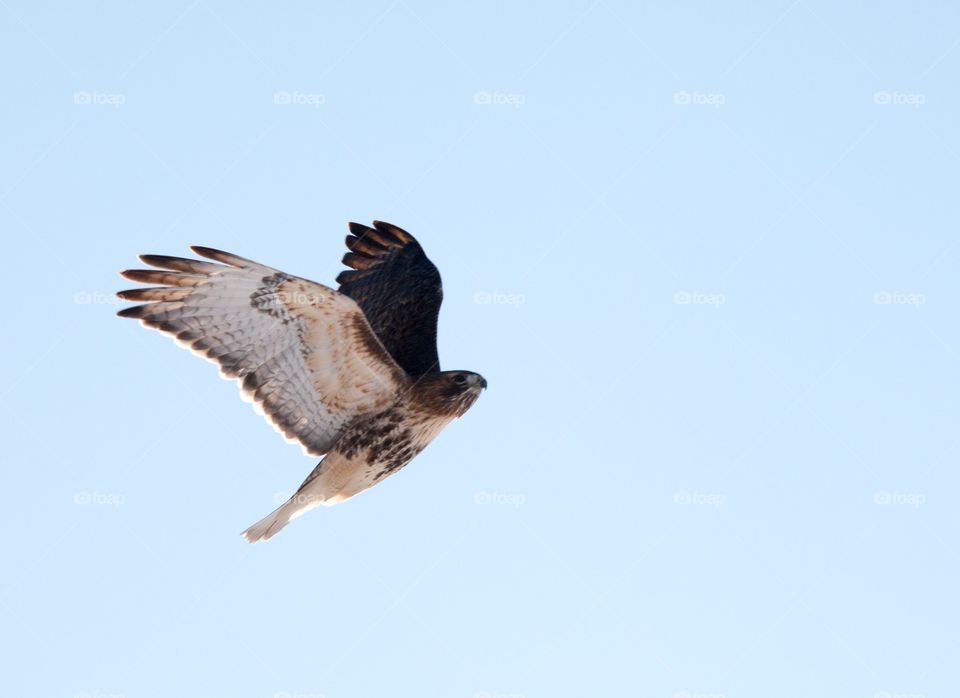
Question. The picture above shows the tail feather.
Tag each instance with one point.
(335, 479)
(267, 527)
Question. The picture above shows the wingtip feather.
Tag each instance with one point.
(134, 311)
(220, 256)
(395, 231)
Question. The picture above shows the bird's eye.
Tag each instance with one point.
(459, 379)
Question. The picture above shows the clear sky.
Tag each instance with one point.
(706, 255)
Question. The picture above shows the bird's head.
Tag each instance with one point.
(451, 392)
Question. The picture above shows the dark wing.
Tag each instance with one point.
(398, 289)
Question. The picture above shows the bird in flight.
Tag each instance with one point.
(352, 374)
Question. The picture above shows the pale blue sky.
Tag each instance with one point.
(705, 254)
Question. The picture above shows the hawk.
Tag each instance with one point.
(352, 374)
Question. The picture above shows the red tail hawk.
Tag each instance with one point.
(351, 375)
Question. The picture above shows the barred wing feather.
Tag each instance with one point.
(303, 353)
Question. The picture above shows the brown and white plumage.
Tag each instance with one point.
(350, 374)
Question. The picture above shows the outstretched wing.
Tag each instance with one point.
(398, 289)
(303, 353)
